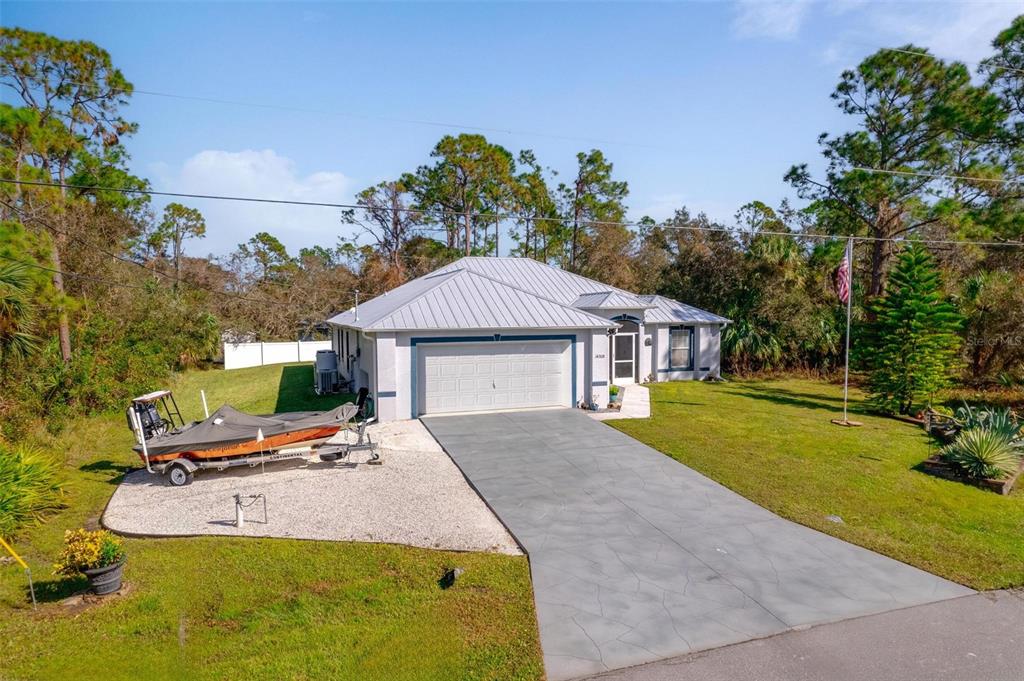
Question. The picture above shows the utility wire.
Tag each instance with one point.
(76, 275)
(510, 216)
(87, 244)
(391, 119)
(939, 176)
(93, 247)
(978, 64)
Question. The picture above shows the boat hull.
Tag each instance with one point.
(269, 444)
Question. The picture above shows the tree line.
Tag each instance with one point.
(99, 298)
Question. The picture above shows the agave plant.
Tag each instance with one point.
(1002, 421)
(984, 453)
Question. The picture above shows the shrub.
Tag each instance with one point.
(85, 550)
(1002, 421)
(983, 453)
(30, 487)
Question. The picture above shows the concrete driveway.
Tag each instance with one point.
(974, 637)
(636, 557)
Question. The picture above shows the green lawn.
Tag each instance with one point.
(216, 608)
(772, 442)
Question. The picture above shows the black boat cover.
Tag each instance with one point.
(228, 426)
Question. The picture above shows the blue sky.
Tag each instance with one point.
(697, 104)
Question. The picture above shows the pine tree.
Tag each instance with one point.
(911, 346)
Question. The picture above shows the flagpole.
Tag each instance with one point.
(849, 305)
(846, 286)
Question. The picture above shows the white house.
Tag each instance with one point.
(506, 333)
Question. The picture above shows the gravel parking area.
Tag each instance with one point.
(417, 497)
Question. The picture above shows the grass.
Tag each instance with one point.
(219, 607)
(772, 442)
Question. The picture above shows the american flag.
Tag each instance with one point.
(843, 274)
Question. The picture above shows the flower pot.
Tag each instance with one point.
(105, 580)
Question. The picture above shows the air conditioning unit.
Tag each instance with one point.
(325, 372)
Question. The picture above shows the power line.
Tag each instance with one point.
(979, 64)
(408, 121)
(87, 244)
(124, 259)
(76, 275)
(504, 216)
(938, 176)
(391, 119)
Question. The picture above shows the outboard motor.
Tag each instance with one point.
(149, 418)
(148, 413)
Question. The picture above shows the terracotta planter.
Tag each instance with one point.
(105, 580)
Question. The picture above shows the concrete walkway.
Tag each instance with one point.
(636, 557)
(636, 404)
(975, 637)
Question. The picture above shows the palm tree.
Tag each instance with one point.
(17, 314)
(747, 345)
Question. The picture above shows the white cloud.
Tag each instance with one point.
(955, 31)
(263, 174)
(769, 18)
(962, 31)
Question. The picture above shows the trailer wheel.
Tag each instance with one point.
(179, 475)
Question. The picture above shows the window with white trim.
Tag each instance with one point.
(680, 348)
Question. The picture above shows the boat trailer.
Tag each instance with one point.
(144, 418)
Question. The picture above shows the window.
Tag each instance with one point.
(680, 348)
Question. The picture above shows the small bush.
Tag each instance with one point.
(85, 550)
(983, 453)
(1002, 421)
(30, 488)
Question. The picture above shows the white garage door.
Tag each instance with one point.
(501, 375)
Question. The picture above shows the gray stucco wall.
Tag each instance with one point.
(706, 353)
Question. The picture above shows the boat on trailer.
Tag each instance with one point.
(229, 437)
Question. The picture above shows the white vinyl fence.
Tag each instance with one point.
(239, 355)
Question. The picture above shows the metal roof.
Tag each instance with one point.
(568, 288)
(611, 300)
(461, 299)
(509, 293)
(533, 276)
(670, 311)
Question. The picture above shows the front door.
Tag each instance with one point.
(623, 358)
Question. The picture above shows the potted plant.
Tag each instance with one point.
(613, 394)
(98, 555)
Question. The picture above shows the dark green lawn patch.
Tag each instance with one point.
(220, 607)
(772, 442)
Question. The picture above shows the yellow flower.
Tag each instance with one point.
(84, 550)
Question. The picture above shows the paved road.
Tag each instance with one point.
(975, 637)
(636, 557)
